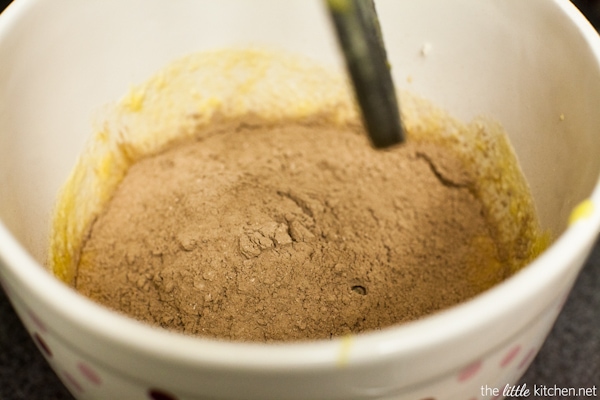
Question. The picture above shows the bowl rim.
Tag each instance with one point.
(367, 348)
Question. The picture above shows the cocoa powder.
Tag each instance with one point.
(258, 232)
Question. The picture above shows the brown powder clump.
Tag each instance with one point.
(289, 231)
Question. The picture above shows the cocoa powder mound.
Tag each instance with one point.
(287, 232)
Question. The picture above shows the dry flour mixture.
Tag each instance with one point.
(264, 214)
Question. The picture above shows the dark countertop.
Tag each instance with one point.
(569, 358)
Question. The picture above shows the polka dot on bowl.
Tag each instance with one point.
(89, 374)
(512, 353)
(37, 321)
(469, 371)
(42, 344)
(157, 394)
(527, 359)
(72, 382)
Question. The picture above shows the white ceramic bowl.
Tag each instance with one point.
(532, 65)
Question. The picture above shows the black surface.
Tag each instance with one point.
(569, 358)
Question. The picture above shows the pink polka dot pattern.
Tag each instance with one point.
(89, 374)
(156, 394)
(527, 359)
(42, 345)
(37, 321)
(469, 371)
(71, 381)
(510, 356)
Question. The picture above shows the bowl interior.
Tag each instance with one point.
(521, 63)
